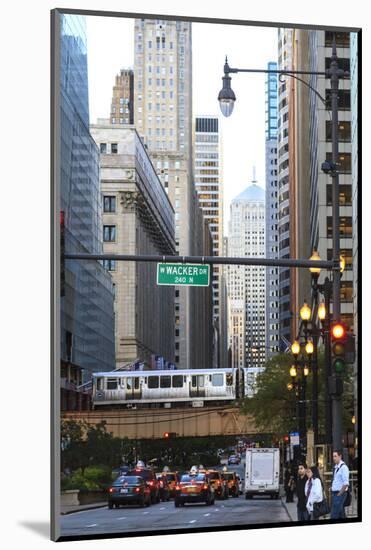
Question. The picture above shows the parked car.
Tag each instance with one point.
(218, 483)
(234, 459)
(129, 490)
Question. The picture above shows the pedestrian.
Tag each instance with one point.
(339, 486)
(313, 489)
(301, 481)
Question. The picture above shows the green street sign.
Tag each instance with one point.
(183, 274)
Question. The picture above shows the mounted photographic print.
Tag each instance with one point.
(205, 365)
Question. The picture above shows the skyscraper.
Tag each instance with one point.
(271, 213)
(163, 118)
(87, 316)
(284, 62)
(246, 284)
(122, 104)
(209, 187)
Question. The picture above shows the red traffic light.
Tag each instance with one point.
(166, 435)
(338, 331)
(286, 438)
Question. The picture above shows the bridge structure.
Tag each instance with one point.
(153, 423)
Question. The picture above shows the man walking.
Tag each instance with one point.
(340, 486)
(303, 514)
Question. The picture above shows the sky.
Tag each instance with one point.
(111, 47)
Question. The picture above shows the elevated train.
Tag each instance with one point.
(168, 388)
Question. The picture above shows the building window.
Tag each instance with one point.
(110, 265)
(109, 203)
(347, 254)
(103, 148)
(114, 148)
(345, 195)
(113, 120)
(109, 233)
(344, 132)
(345, 162)
(346, 291)
(343, 62)
(343, 100)
(341, 39)
(345, 227)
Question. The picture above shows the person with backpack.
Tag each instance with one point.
(313, 490)
(339, 487)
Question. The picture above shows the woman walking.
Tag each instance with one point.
(313, 489)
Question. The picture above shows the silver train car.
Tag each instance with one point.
(163, 388)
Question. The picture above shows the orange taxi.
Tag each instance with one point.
(218, 483)
(172, 479)
(232, 483)
(194, 487)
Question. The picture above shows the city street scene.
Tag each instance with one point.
(207, 207)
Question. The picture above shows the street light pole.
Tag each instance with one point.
(226, 99)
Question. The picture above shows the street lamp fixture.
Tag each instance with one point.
(306, 370)
(342, 264)
(322, 311)
(309, 348)
(290, 386)
(295, 348)
(305, 312)
(226, 95)
(315, 271)
(353, 417)
(293, 371)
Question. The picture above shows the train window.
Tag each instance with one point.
(99, 383)
(165, 382)
(229, 380)
(201, 381)
(194, 381)
(129, 383)
(123, 382)
(136, 383)
(217, 379)
(177, 381)
(153, 382)
(111, 383)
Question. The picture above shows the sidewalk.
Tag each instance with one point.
(290, 508)
(81, 507)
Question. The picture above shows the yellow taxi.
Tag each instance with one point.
(172, 478)
(194, 487)
(232, 483)
(218, 483)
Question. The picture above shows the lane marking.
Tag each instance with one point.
(92, 525)
(193, 521)
(162, 508)
(206, 515)
(124, 517)
(145, 512)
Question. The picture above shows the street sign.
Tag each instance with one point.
(183, 274)
(294, 438)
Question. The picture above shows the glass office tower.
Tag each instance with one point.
(87, 314)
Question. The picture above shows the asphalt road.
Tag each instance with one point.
(131, 518)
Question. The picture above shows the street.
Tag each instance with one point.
(165, 516)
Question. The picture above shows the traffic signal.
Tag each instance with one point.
(338, 339)
(169, 435)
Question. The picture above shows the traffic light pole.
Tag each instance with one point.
(337, 428)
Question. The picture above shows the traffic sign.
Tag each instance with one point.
(294, 438)
(183, 274)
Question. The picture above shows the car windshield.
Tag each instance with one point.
(214, 475)
(198, 477)
(130, 480)
(228, 476)
(144, 474)
(170, 477)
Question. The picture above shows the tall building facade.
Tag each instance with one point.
(271, 212)
(209, 187)
(87, 315)
(163, 118)
(122, 104)
(320, 51)
(138, 219)
(354, 128)
(284, 62)
(246, 285)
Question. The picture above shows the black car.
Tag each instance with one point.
(129, 490)
(149, 477)
(194, 488)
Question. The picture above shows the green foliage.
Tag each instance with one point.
(274, 408)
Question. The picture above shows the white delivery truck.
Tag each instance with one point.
(262, 472)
